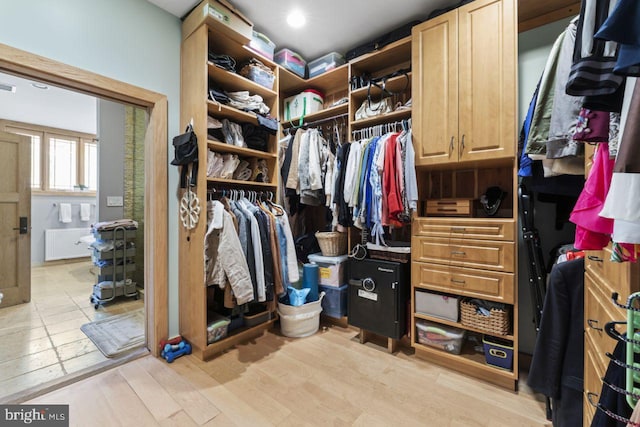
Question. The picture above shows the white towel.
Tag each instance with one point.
(64, 213)
(85, 212)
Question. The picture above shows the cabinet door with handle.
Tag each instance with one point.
(435, 90)
(487, 80)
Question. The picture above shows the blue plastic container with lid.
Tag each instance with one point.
(334, 303)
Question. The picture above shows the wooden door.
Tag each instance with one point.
(435, 90)
(15, 203)
(487, 80)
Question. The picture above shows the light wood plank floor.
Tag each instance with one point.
(43, 340)
(326, 379)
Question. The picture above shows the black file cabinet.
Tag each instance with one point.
(378, 292)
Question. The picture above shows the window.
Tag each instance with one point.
(61, 161)
(91, 165)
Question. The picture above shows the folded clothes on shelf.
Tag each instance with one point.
(243, 100)
(231, 162)
(108, 245)
(242, 172)
(128, 224)
(225, 62)
(260, 172)
(233, 133)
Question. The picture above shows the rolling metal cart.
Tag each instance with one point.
(113, 266)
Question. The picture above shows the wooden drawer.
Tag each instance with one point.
(488, 285)
(449, 207)
(472, 228)
(598, 310)
(621, 277)
(483, 254)
(593, 372)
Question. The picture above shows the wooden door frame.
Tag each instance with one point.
(31, 66)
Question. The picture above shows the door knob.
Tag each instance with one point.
(23, 225)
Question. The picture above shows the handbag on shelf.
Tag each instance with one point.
(374, 108)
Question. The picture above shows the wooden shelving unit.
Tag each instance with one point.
(455, 158)
(197, 73)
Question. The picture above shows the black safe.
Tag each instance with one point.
(378, 292)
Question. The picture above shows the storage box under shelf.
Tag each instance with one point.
(332, 268)
(498, 322)
(334, 303)
(498, 352)
(447, 338)
(437, 305)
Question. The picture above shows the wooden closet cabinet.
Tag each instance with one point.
(464, 74)
(602, 277)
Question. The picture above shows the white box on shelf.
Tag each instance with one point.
(437, 305)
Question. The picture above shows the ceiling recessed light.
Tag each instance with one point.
(296, 19)
(40, 86)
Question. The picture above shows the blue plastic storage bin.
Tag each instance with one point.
(498, 352)
(334, 303)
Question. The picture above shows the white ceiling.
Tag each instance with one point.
(53, 107)
(332, 25)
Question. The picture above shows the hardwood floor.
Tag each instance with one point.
(327, 379)
(44, 340)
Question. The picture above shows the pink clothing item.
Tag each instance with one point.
(587, 240)
(589, 204)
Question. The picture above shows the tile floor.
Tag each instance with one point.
(42, 340)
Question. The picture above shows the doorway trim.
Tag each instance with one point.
(25, 64)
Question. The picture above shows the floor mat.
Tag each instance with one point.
(117, 334)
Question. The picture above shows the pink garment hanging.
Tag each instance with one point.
(593, 231)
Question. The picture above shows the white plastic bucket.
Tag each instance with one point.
(301, 321)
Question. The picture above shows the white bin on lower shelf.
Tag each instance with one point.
(301, 321)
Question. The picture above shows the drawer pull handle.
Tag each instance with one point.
(591, 323)
(458, 229)
(595, 258)
(451, 144)
(457, 281)
(461, 253)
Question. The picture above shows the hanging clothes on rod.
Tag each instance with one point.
(378, 179)
(248, 229)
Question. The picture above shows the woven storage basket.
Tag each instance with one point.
(497, 323)
(332, 243)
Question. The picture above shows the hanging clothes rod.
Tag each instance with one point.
(316, 122)
(379, 130)
(235, 194)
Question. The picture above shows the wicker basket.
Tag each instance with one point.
(496, 323)
(332, 243)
